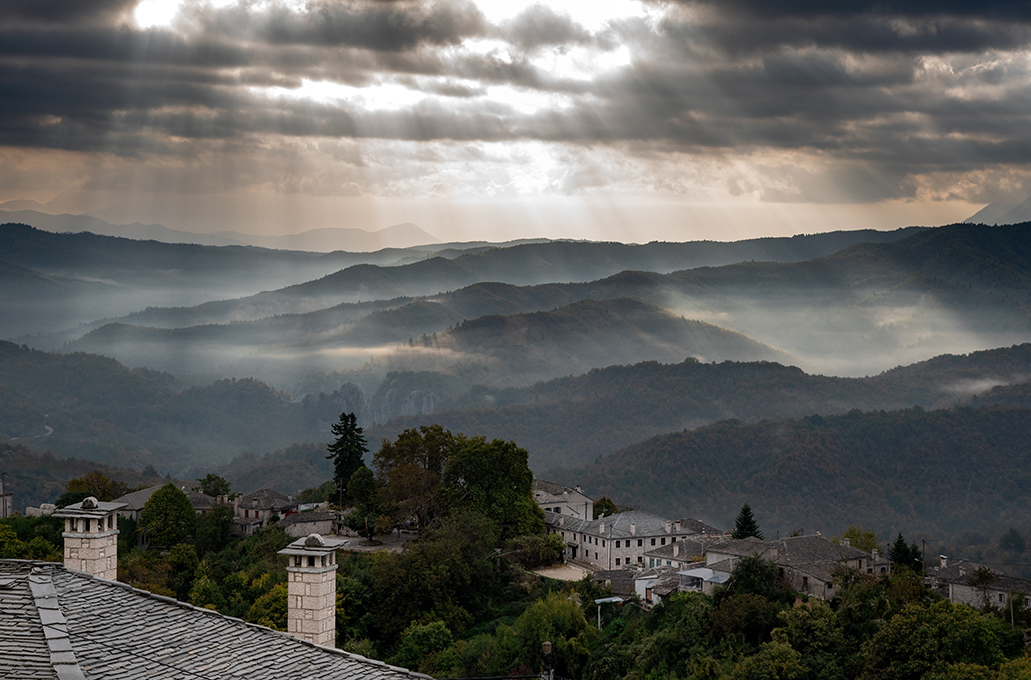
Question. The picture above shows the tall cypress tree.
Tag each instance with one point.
(745, 524)
(346, 452)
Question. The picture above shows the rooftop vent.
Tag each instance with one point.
(90, 503)
(314, 541)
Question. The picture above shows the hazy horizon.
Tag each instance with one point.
(621, 120)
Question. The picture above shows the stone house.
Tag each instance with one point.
(615, 541)
(564, 500)
(807, 563)
(256, 510)
(953, 582)
(300, 524)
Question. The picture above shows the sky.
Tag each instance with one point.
(606, 119)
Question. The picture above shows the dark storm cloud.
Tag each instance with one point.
(540, 25)
(63, 11)
(1006, 10)
(392, 26)
(879, 91)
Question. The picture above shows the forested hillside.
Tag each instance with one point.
(570, 421)
(932, 472)
(85, 406)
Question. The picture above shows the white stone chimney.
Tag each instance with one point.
(633, 528)
(846, 542)
(311, 588)
(601, 528)
(944, 560)
(91, 537)
(676, 550)
(669, 526)
(676, 527)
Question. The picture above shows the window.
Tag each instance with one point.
(1002, 597)
(663, 541)
(1027, 601)
(640, 559)
(673, 540)
(617, 544)
(805, 583)
(653, 541)
(603, 544)
(640, 542)
(617, 561)
(595, 555)
(651, 562)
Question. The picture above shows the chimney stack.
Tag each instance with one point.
(875, 553)
(633, 528)
(676, 549)
(944, 561)
(91, 537)
(669, 526)
(845, 542)
(601, 528)
(311, 588)
(676, 527)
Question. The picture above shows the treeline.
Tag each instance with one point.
(95, 408)
(936, 473)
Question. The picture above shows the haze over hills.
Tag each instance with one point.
(1003, 212)
(858, 311)
(324, 240)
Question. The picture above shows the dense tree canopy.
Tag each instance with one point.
(168, 517)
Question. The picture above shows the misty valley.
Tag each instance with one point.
(671, 376)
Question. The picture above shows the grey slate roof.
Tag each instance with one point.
(136, 499)
(303, 517)
(66, 625)
(618, 526)
(266, 499)
(962, 571)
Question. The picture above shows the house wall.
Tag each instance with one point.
(302, 529)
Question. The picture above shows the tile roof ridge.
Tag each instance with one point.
(211, 612)
(55, 626)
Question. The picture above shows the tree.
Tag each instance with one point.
(168, 517)
(363, 490)
(863, 539)
(215, 529)
(1012, 540)
(411, 468)
(95, 484)
(983, 579)
(921, 640)
(213, 485)
(905, 556)
(745, 524)
(494, 479)
(604, 506)
(347, 452)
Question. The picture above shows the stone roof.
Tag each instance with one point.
(698, 526)
(266, 499)
(136, 499)
(686, 548)
(543, 490)
(618, 526)
(57, 624)
(302, 517)
(620, 580)
(200, 502)
(962, 571)
(796, 551)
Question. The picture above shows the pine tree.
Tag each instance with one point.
(745, 524)
(346, 452)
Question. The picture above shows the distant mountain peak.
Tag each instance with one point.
(1013, 211)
